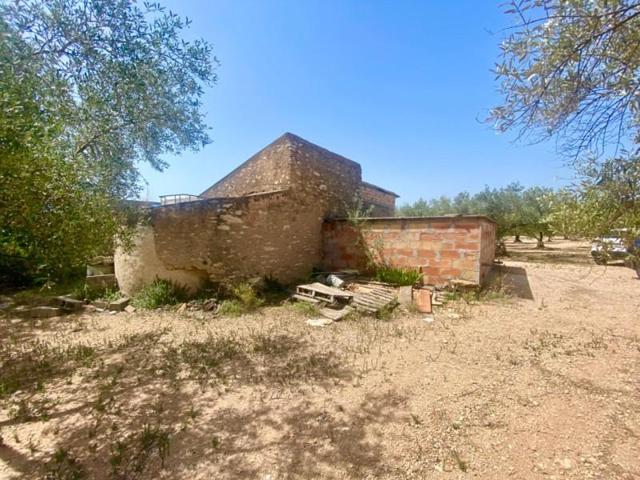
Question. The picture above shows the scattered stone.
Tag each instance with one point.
(319, 322)
(101, 304)
(566, 463)
(69, 303)
(210, 305)
(429, 318)
(130, 309)
(119, 305)
(404, 296)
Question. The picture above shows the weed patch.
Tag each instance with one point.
(245, 300)
(130, 456)
(159, 293)
(63, 466)
(29, 368)
(397, 276)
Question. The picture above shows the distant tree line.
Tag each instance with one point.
(603, 198)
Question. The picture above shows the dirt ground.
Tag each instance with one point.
(543, 383)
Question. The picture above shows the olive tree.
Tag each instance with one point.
(88, 89)
(571, 69)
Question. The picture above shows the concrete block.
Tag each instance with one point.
(102, 281)
(119, 305)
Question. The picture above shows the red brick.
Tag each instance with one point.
(426, 253)
(467, 245)
(451, 272)
(430, 270)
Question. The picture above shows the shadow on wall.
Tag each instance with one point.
(513, 280)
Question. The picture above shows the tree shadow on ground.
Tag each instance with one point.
(143, 391)
(552, 253)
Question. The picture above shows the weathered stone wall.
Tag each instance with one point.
(235, 234)
(442, 248)
(266, 171)
(238, 238)
(382, 204)
(141, 265)
(322, 179)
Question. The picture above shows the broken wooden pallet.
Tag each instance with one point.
(373, 297)
(323, 293)
(334, 314)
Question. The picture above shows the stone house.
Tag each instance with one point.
(279, 214)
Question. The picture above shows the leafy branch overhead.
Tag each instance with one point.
(570, 68)
(88, 89)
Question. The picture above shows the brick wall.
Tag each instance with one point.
(442, 248)
(382, 203)
(487, 248)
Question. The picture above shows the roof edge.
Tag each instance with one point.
(376, 187)
(434, 218)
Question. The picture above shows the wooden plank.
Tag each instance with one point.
(334, 314)
(304, 298)
(320, 288)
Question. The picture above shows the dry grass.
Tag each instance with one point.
(532, 378)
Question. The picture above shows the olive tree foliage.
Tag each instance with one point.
(571, 68)
(88, 90)
(609, 196)
(516, 210)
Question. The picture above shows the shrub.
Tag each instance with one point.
(245, 300)
(160, 292)
(397, 276)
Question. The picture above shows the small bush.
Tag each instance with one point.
(397, 276)
(159, 293)
(63, 466)
(245, 300)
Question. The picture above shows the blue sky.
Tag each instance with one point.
(399, 86)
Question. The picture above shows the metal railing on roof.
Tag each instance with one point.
(178, 198)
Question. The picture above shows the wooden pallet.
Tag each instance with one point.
(320, 292)
(372, 297)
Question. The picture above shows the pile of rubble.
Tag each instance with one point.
(338, 294)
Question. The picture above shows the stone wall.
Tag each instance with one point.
(381, 202)
(442, 248)
(238, 238)
(264, 218)
(322, 180)
(141, 265)
(266, 171)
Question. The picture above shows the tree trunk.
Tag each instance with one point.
(548, 238)
(540, 243)
(517, 239)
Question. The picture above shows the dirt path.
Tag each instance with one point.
(543, 385)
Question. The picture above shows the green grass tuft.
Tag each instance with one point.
(397, 276)
(159, 293)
